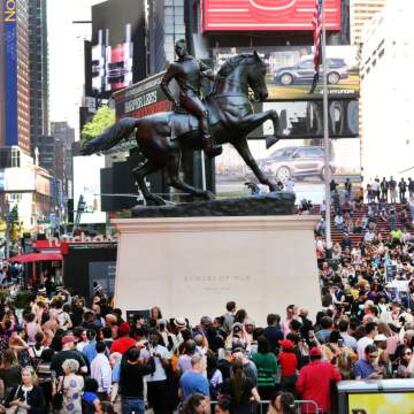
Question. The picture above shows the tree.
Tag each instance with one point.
(103, 119)
(15, 227)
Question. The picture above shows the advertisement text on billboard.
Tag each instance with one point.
(142, 99)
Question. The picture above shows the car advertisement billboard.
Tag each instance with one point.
(9, 17)
(118, 46)
(299, 159)
(290, 70)
(381, 403)
(235, 15)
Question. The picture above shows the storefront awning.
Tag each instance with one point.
(36, 257)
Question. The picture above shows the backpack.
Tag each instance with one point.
(36, 355)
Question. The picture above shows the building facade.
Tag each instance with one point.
(15, 87)
(39, 85)
(387, 96)
(64, 137)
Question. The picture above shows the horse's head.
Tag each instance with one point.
(256, 77)
(241, 72)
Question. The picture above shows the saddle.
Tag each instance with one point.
(182, 122)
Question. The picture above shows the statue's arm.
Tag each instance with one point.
(206, 71)
(169, 75)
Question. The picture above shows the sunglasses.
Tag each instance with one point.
(408, 353)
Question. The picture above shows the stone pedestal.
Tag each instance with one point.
(192, 266)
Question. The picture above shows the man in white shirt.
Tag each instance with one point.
(371, 331)
(157, 381)
(101, 372)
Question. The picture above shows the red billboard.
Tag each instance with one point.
(219, 15)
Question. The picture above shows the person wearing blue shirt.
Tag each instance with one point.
(89, 351)
(193, 381)
(364, 368)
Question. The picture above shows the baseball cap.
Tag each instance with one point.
(315, 352)
(286, 343)
(124, 328)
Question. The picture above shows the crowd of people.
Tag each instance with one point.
(388, 190)
(69, 358)
(66, 354)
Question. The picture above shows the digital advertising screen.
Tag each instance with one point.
(381, 403)
(117, 52)
(239, 15)
(303, 160)
(290, 70)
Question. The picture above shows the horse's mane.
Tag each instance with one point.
(232, 63)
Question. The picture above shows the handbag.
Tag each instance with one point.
(12, 396)
(57, 400)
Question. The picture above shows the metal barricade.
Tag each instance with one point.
(307, 407)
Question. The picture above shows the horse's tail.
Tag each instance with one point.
(111, 136)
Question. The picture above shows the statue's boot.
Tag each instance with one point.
(209, 147)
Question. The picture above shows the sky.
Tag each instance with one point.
(66, 62)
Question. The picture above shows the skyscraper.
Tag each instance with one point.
(386, 94)
(39, 86)
(14, 69)
(64, 137)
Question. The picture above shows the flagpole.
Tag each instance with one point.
(327, 175)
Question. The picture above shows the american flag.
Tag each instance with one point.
(317, 42)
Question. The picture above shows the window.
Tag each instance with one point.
(306, 64)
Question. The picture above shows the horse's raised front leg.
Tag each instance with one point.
(173, 168)
(243, 149)
(250, 122)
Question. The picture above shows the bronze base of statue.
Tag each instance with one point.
(269, 204)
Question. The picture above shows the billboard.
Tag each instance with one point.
(301, 159)
(304, 119)
(381, 403)
(141, 99)
(117, 49)
(9, 17)
(219, 15)
(290, 70)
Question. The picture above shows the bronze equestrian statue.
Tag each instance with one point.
(162, 137)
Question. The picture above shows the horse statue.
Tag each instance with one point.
(162, 137)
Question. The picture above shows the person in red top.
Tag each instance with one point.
(314, 382)
(124, 342)
(289, 364)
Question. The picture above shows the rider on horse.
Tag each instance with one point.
(187, 71)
